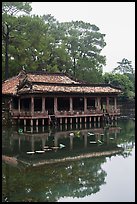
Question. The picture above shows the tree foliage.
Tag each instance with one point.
(121, 81)
(125, 66)
(125, 74)
(12, 8)
(41, 42)
(10, 27)
(84, 43)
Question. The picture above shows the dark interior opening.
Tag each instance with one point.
(90, 103)
(49, 104)
(25, 104)
(15, 103)
(78, 103)
(37, 104)
(63, 104)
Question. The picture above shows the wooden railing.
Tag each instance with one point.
(16, 113)
(88, 112)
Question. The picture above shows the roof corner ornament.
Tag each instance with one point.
(23, 68)
(22, 73)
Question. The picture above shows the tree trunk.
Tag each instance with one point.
(6, 54)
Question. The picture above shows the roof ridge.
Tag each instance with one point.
(13, 77)
(45, 72)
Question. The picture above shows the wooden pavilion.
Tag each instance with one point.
(41, 98)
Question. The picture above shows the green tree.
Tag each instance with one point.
(84, 43)
(125, 66)
(58, 57)
(12, 8)
(9, 9)
(37, 43)
(121, 81)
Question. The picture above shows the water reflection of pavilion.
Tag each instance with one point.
(45, 138)
(74, 143)
(49, 183)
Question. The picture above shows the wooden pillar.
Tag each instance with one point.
(71, 105)
(43, 128)
(98, 102)
(32, 105)
(43, 104)
(37, 128)
(31, 129)
(31, 122)
(49, 120)
(115, 103)
(85, 104)
(36, 122)
(25, 128)
(107, 103)
(99, 124)
(55, 105)
(70, 120)
(94, 118)
(60, 120)
(90, 125)
(66, 127)
(61, 127)
(42, 121)
(24, 122)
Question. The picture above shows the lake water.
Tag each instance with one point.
(83, 163)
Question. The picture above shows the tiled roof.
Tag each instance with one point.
(38, 88)
(10, 86)
(40, 82)
(50, 78)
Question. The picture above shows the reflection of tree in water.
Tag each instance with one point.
(72, 179)
(127, 130)
(127, 137)
(50, 182)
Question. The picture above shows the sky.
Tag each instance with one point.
(115, 19)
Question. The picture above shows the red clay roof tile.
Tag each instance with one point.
(43, 82)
